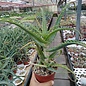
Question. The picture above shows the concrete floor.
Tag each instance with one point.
(62, 77)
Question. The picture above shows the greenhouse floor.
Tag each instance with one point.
(62, 77)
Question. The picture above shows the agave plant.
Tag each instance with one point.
(42, 38)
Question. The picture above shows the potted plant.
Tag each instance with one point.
(6, 71)
(42, 38)
(11, 41)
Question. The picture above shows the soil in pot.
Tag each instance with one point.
(43, 75)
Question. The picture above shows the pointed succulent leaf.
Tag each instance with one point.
(52, 34)
(40, 43)
(50, 64)
(34, 35)
(4, 65)
(35, 29)
(6, 83)
(40, 53)
(3, 75)
(44, 22)
(30, 17)
(61, 66)
(62, 13)
(52, 55)
(29, 43)
(66, 43)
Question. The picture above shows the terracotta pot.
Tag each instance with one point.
(19, 62)
(25, 62)
(15, 71)
(42, 79)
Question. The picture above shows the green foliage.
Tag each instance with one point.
(47, 14)
(66, 43)
(4, 14)
(43, 37)
(6, 70)
(29, 17)
(12, 39)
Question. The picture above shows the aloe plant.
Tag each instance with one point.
(6, 70)
(11, 41)
(43, 37)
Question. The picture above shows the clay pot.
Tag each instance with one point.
(15, 71)
(42, 79)
(25, 62)
(19, 62)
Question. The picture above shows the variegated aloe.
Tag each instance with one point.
(43, 37)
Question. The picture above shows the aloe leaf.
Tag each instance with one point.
(3, 75)
(29, 43)
(6, 83)
(35, 28)
(44, 23)
(61, 66)
(11, 52)
(66, 43)
(0, 64)
(51, 35)
(30, 17)
(62, 13)
(34, 35)
(52, 55)
(40, 53)
(4, 65)
(7, 70)
(38, 23)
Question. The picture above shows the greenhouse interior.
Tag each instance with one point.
(42, 42)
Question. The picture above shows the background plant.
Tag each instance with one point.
(7, 66)
(12, 39)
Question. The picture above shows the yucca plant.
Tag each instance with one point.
(42, 38)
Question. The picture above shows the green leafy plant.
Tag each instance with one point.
(43, 37)
(12, 39)
(6, 72)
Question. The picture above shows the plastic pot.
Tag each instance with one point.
(19, 62)
(42, 79)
